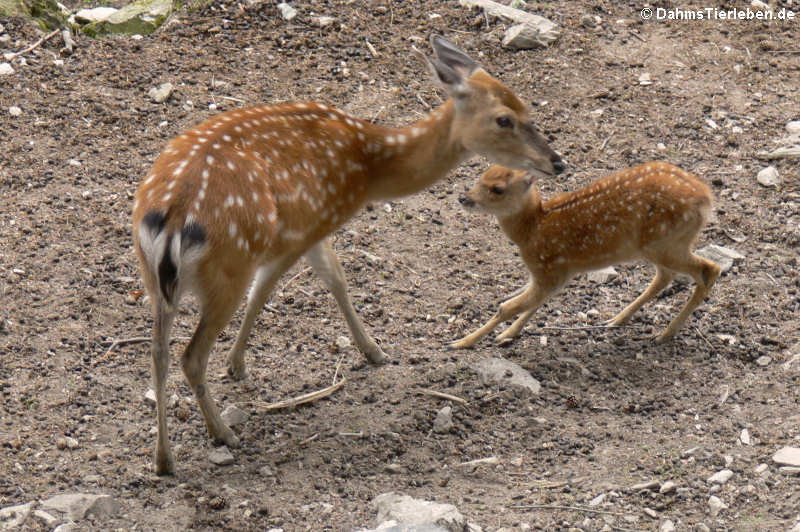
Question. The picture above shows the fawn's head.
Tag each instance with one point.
(489, 119)
(500, 191)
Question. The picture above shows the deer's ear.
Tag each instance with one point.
(453, 56)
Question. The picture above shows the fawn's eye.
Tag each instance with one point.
(504, 121)
(497, 189)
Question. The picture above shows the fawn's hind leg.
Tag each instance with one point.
(660, 281)
(705, 273)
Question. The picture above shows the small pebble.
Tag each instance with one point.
(14, 111)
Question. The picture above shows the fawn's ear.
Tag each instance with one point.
(451, 67)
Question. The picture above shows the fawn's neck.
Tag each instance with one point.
(519, 225)
(405, 160)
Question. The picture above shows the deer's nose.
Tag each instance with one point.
(558, 164)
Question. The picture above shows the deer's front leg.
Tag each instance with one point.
(325, 264)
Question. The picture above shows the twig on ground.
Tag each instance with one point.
(491, 460)
(294, 278)
(299, 400)
(703, 337)
(586, 327)
(35, 45)
(336, 371)
(128, 341)
(308, 440)
(442, 395)
(372, 49)
(559, 507)
(603, 145)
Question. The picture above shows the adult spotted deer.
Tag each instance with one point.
(236, 200)
(653, 211)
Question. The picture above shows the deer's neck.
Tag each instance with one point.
(405, 160)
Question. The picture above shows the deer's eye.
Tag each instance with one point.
(497, 189)
(505, 121)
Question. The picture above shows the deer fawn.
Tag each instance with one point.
(653, 211)
(242, 196)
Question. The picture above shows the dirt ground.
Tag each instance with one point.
(615, 409)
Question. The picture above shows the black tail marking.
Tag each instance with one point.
(155, 220)
(167, 272)
(192, 234)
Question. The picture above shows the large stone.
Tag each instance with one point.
(444, 420)
(78, 505)
(233, 415)
(769, 177)
(142, 17)
(602, 276)
(405, 510)
(48, 14)
(502, 371)
(13, 517)
(538, 30)
(789, 456)
(95, 14)
(724, 257)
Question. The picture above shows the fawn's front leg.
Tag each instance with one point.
(528, 301)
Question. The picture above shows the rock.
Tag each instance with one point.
(760, 469)
(789, 456)
(544, 30)
(715, 505)
(66, 527)
(343, 342)
(233, 415)
(602, 276)
(720, 477)
(96, 14)
(724, 257)
(589, 21)
(758, 4)
(49, 520)
(650, 512)
(522, 37)
(667, 526)
(649, 485)
(789, 471)
(667, 487)
(793, 127)
(744, 437)
(161, 93)
(763, 361)
(150, 397)
(137, 18)
(444, 420)
(408, 511)
(13, 517)
(322, 21)
(502, 371)
(287, 11)
(784, 152)
(221, 456)
(597, 501)
(645, 79)
(769, 177)
(79, 505)
(6, 69)
(14, 111)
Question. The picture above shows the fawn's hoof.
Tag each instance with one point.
(459, 344)
(237, 373)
